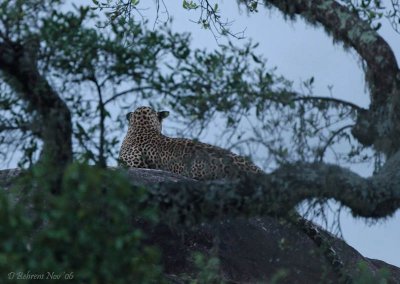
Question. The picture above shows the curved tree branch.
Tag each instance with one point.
(276, 193)
(280, 191)
(382, 74)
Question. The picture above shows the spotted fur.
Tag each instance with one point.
(146, 147)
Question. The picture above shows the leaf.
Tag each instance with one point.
(255, 58)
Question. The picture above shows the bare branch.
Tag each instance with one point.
(131, 90)
(102, 118)
(328, 99)
(328, 143)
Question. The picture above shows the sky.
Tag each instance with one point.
(301, 51)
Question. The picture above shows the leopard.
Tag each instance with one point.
(144, 146)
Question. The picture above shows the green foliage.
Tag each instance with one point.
(371, 11)
(95, 69)
(236, 86)
(364, 275)
(206, 270)
(279, 276)
(87, 230)
(190, 5)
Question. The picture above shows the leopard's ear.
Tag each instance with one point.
(128, 116)
(162, 115)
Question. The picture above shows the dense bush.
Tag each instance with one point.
(85, 233)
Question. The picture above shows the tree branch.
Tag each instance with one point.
(328, 143)
(328, 99)
(382, 72)
(102, 118)
(52, 116)
(280, 191)
(123, 93)
(276, 193)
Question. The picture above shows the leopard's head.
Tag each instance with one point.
(146, 118)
